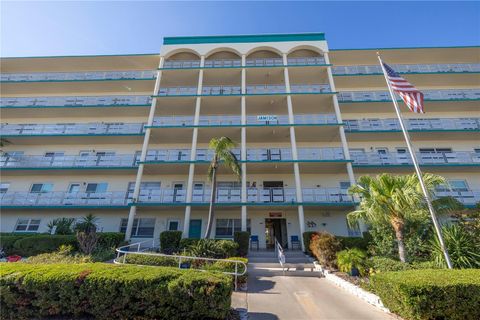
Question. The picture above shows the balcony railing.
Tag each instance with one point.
(373, 125)
(250, 89)
(228, 63)
(452, 94)
(467, 197)
(271, 154)
(407, 68)
(432, 158)
(65, 199)
(71, 129)
(254, 195)
(79, 76)
(74, 101)
(229, 120)
(93, 161)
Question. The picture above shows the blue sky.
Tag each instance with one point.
(99, 27)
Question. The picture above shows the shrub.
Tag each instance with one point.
(354, 242)
(430, 294)
(105, 291)
(170, 241)
(228, 248)
(187, 242)
(324, 247)
(225, 266)
(33, 245)
(382, 264)
(307, 237)
(350, 259)
(8, 240)
(108, 240)
(463, 248)
(64, 254)
(147, 260)
(243, 240)
(64, 225)
(207, 248)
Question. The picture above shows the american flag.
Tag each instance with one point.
(409, 94)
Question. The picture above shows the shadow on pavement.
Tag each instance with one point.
(257, 285)
(261, 316)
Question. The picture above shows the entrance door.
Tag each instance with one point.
(195, 229)
(276, 229)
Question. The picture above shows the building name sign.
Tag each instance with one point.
(267, 117)
(275, 214)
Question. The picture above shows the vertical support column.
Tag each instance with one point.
(143, 154)
(343, 138)
(293, 141)
(193, 151)
(244, 145)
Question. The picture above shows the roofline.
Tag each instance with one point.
(85, 56)
(406, 48)
(248, 38)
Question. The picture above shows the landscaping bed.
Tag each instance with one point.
(112, 292)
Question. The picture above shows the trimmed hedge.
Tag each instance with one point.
(243, 240)
(107, 291)
(226, 248)
(430, 294)
(307, 237)
(148, 260)
(170, 241)
(33, 244)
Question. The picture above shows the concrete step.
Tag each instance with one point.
(275, 269)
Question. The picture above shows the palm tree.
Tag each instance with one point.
(222, 148)
(393, 200)
(3, 142)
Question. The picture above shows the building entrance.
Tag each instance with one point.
(276, 229)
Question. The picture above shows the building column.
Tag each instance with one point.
(193, 151)
(143, 154)
(293, 141)
(338, 115)
(244, 145)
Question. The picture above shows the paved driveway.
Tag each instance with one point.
(298, 298)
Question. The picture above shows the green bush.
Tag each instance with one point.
(148, 260)
(243, 240)
(225, 266)
(42, 243)
(354, 242)
(382, 264)
(105, 291)
(187, 242)
(352, 258)
(64, 254)
(324, 247)
(170, 241)
(108, 240)
(307, 237)
(7, 241)
(228, 248)
(430, 294)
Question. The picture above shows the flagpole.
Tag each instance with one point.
(417, 168)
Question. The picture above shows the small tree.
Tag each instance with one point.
(393, 200)
(222, 148)
(63, 225)
(87, 233)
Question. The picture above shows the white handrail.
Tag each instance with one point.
(138, 246)
(280, 255)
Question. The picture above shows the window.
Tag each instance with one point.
(74, 188)
(344, 185)
(41, 187)
(142, 227)
(173, 225)
(353, 231)
(27, 225)
(458, 185)
(96, 187)
(225, 228)
(144, 186)
(435, 150)
(4, 187)
(54, 154)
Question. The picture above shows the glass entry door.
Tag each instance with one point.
(276, 229)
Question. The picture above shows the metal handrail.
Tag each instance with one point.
(138, 245)
(280, 255)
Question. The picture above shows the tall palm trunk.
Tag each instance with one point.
(212, 200)
(398, 226)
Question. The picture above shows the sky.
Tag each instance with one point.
(43, 28)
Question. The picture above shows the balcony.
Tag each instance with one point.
(467, 197)
(407, 68)
(443, 124)
(255, 196)
(452, 159)
(78, 76)
(64, 199)
(229, 120)
(125, 161)
(71, 129)
(75, 101)
(250, 90)
(380, 96)
(249, 63)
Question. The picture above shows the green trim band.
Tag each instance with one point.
(245, 38)
(197, 204)
(247, 161)
(67, 206)
(239, 94)
(249, 125)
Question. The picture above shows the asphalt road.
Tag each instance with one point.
(300, 298)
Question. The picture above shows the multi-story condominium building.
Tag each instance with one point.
(127, 135)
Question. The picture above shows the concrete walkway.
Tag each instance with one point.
(272, 296)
